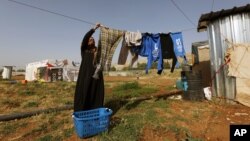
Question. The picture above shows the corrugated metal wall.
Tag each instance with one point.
(235, 28)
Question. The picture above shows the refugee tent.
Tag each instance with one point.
(51, 70)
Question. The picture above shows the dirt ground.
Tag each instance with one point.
(206, 120)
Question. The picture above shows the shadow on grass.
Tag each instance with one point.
(115, 104)
(118, 103)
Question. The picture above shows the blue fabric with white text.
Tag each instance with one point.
(178, 44)
(152, 45)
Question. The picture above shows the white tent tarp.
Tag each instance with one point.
(70, 70)
(31, 69)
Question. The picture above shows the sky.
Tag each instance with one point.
(28, 34)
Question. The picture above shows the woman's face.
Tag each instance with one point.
(91, 41)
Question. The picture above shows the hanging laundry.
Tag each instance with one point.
(178, 44)
(151, 47)
(123, 53)
(145, 49)
(108, 42)
(178, 47)
(168, 49)
(132, 40)
(138, 50)
(134, 51)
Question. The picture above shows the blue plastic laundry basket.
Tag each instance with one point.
(91, 122)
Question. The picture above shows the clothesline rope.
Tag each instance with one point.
(73, 18)
(55, 13)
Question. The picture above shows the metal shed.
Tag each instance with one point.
(201, 61)
(225, 25)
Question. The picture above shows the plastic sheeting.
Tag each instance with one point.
(40, 70)
(238, 56)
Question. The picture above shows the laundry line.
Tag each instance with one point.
(150, 45)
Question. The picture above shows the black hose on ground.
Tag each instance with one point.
(32, 113)
(70, 107)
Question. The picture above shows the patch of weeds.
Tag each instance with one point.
(193, 139)
(41, 129)
(190, 138)
(58, 138)
(52, 91)
(55, 125)
(180, 118)
(126, 86)
(11, 103)
(31, 104)
(132, 89)
(27, 92)
(196, 114)
(161, 103)
(68, 132)
(145, 105)
(215, 113)
(68, 102)
(150, 114)
(62, 84)
(129, 129)
(151, 117)
(127, 94)
(177, 130)
(8, 128)
(36, 85)
(46, 138)
(147, 90)
(170, 88)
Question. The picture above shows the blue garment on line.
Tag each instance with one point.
(151, 47)
(144, 49)
(178, 44)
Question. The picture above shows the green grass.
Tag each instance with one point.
(133, 120)
(129, 120)
(128, 85)
(68, 132)
(46, 138)
(125, 130)
(31, 104)
(132, 89)
(10, 103)
(27, 92)
(9, 128)
(169, 88)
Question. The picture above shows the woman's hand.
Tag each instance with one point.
(97, 25)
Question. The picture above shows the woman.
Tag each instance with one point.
(89, 92)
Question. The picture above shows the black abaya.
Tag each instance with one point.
(89, 92)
